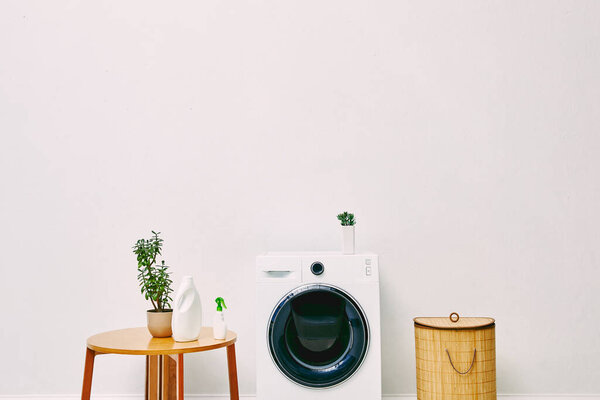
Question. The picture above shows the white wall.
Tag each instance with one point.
(465, 136)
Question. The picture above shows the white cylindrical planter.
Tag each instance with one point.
(187, 312)
(348, 239)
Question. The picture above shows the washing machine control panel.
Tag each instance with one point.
(338, 269)
(333, 268)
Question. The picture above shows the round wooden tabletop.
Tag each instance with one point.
(138, 341)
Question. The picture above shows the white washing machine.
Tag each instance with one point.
(318, 327)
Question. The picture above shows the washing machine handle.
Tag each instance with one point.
(277, 273)
(276, 269)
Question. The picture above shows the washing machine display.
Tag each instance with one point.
(318, 335)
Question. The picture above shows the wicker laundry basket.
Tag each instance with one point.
(456, 358)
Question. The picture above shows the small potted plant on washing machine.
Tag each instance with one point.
(347, 220)
(155, 284)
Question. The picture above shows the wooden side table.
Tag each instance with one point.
(164, 359)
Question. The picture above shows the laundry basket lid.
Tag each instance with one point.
(454, 321)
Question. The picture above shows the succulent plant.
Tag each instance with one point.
(346, 218)
(155, 283)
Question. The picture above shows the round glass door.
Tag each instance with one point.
(318, 335)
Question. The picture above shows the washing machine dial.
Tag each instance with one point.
(317, 268)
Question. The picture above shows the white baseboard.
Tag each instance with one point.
(251, 397)
(512, 396)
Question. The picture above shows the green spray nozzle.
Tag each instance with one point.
(220, 303)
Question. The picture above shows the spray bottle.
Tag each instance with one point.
(219, 324)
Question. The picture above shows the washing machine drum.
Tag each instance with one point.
(318, 336)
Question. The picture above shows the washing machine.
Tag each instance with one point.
(318, 326)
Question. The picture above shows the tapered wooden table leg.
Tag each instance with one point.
(234, 393)
(152, 377)
(88, 371)
(169, 377)
(164, 377)
(180, 377)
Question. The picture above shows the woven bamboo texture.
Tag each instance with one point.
(436, 377)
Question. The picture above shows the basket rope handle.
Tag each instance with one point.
(470, 368)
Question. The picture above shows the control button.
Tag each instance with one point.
(368, 261)
(317, 268)
(368, 271)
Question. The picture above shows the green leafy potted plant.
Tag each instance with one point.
(347, 220)
(155, 284)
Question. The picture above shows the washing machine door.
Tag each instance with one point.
(318, 335)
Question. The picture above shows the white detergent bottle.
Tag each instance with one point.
(219, 324)
(187, 312)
